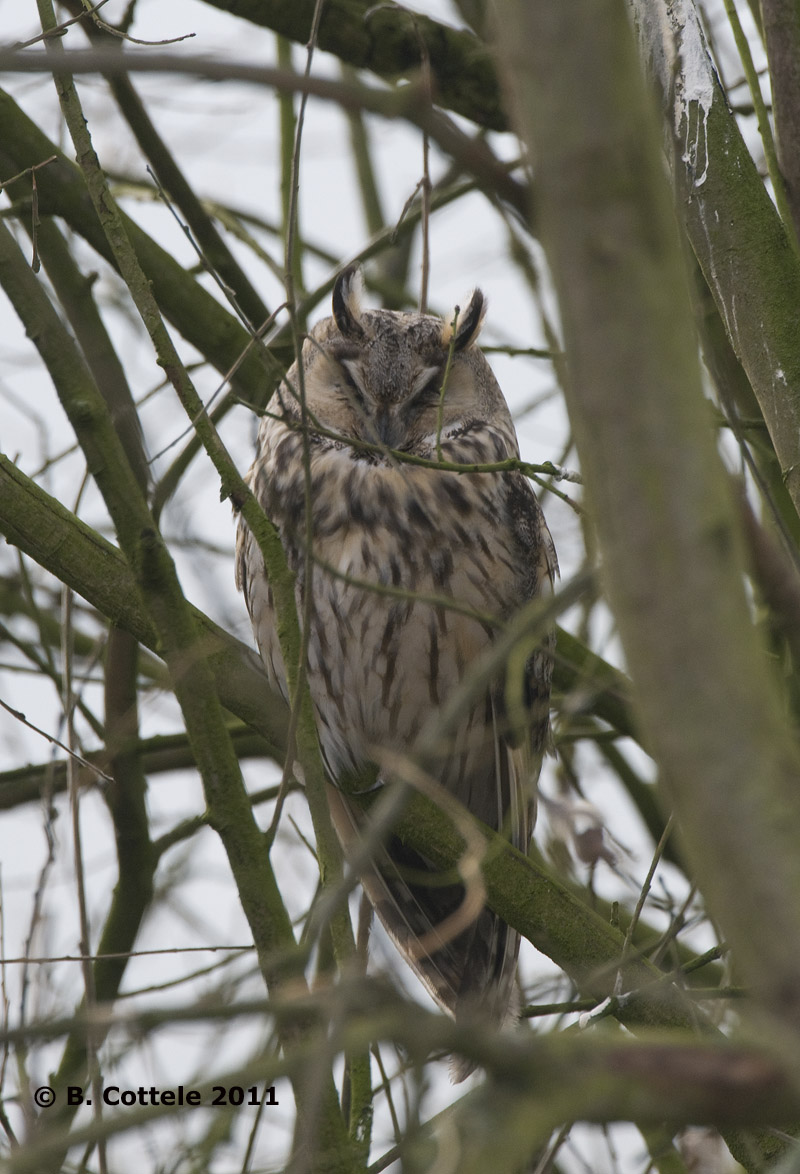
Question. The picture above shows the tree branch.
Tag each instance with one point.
(782, 35)
(672, 556)
(734, 229)
(387, 40)
(77, 555)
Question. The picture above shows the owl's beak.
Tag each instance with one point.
(388, 429)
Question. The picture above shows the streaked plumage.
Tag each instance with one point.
(378, 667)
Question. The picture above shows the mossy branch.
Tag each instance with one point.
(672, 551)
(781, 31)
(160, 754)
(77, 555)
(536, 1081)
(387, 41)
(735, 231)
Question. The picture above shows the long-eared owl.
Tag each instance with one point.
(381, 664)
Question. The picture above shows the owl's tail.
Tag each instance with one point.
(468, 963)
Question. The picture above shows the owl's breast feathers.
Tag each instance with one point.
(378, 662)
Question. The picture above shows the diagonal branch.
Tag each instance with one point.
(734, 229)
(389, 40)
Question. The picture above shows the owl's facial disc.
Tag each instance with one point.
(383, 419)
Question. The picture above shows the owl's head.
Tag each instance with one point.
(377, 375)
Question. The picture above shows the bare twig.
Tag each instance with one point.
(4, 1121)
(408, 102)
(20, 717)
(47, 960)
(68, 702)
(648, 880)
(61, 28)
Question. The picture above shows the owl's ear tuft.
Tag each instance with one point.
(347, 302)
(468, 324)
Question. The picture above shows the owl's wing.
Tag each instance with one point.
(538, 554)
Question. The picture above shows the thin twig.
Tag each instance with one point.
(409, 102)
(80, 880)
(509, 465)
(123, 36)
(676, 925)
(227, 292)
(425, 183)
(26, 959)
(35, 263)
(328, 849)
(60, 29)
(255, 340)
(20, 717)
(4, 1121)
(546, 1161)
(648, 880)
